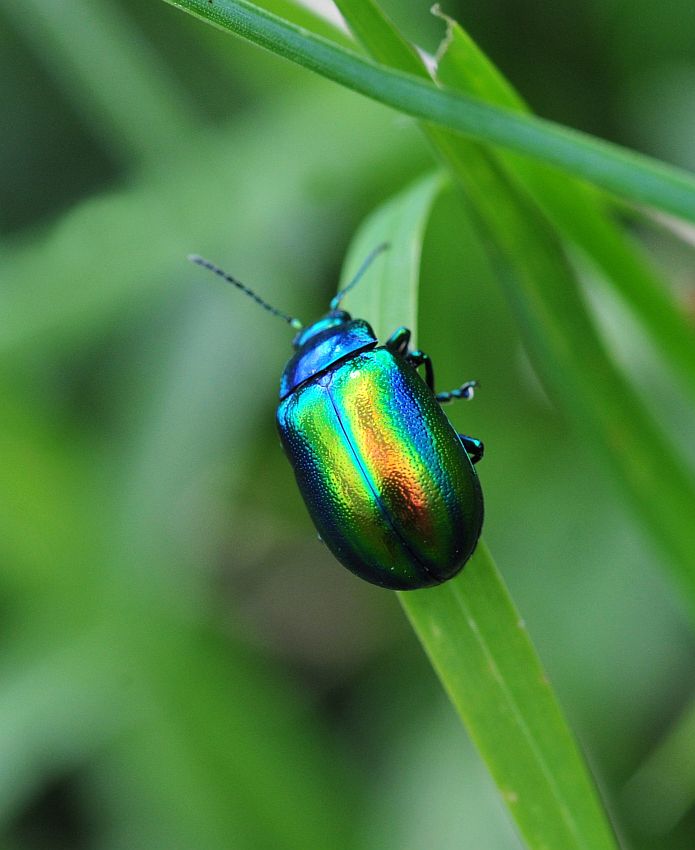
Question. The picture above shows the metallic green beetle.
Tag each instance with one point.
(388, 482)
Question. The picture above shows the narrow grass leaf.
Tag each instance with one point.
(579, 212)
(482, 652)
(569, 355)
(373, 28)
(469, 626)
(309, 18)
(634, 176)
(401, 224)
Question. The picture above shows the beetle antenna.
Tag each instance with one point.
(359, 274)
(206, 264)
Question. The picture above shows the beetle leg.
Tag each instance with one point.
(464, 391)
(475, 448)
(398, 342)
(419, 358)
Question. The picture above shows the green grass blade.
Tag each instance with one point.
(577, 210)
(305, 17)
(482, 652)
(373, 28)
(469, 627)
(634, 176)
(569, 355)
(400, 222)
(470, 69)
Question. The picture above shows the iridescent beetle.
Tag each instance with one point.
(388, 482)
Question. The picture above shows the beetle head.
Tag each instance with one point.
(334, 337)
(332, 319)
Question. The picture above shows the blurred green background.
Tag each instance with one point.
(182, 664)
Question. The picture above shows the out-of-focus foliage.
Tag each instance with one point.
(182, 664)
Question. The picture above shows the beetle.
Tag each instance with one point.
(390, 485)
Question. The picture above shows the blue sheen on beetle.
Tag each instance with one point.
(389, 484)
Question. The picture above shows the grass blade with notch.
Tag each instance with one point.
(579, 212)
